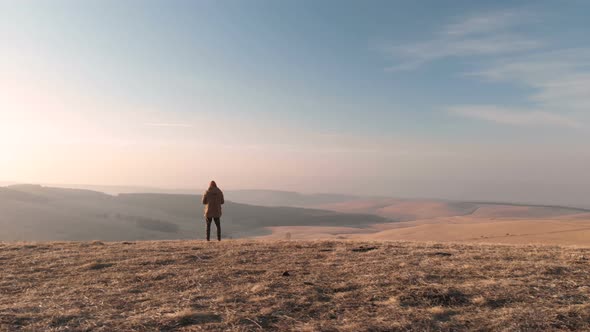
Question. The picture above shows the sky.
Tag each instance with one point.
(477, 100)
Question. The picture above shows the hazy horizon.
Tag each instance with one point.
(458, 100)
(259, 201)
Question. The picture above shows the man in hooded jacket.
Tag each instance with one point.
(213, 199)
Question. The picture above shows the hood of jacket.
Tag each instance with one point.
(214, 190)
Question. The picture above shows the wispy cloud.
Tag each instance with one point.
(492, 22)
(560, 85)
(560, 79)
(171, 125)
(513, 116)
(484, 35)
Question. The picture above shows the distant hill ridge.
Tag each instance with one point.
(40, 213)
(37, 213)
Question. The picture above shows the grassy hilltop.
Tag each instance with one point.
(297, 286)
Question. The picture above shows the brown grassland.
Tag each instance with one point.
(247, 285)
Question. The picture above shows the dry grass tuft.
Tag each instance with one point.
(190, 317)
(433, 296)
(330, 286)
(97, 266)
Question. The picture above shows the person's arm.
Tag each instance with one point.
(222, 199)
(205, 200)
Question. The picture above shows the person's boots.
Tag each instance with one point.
(208, 230)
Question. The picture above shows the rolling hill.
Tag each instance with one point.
(37, 213)
(449, 221)
(286, 198)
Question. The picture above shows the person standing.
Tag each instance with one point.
(213, 199)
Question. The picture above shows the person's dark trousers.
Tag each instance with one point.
(217, 224)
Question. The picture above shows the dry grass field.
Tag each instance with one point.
(568, 230)
(292, 286)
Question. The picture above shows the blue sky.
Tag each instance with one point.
(454, 99)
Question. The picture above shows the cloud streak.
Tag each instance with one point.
(511, 116)
(485, 35)
(560, 79)
(486, 23)
(168, 125)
